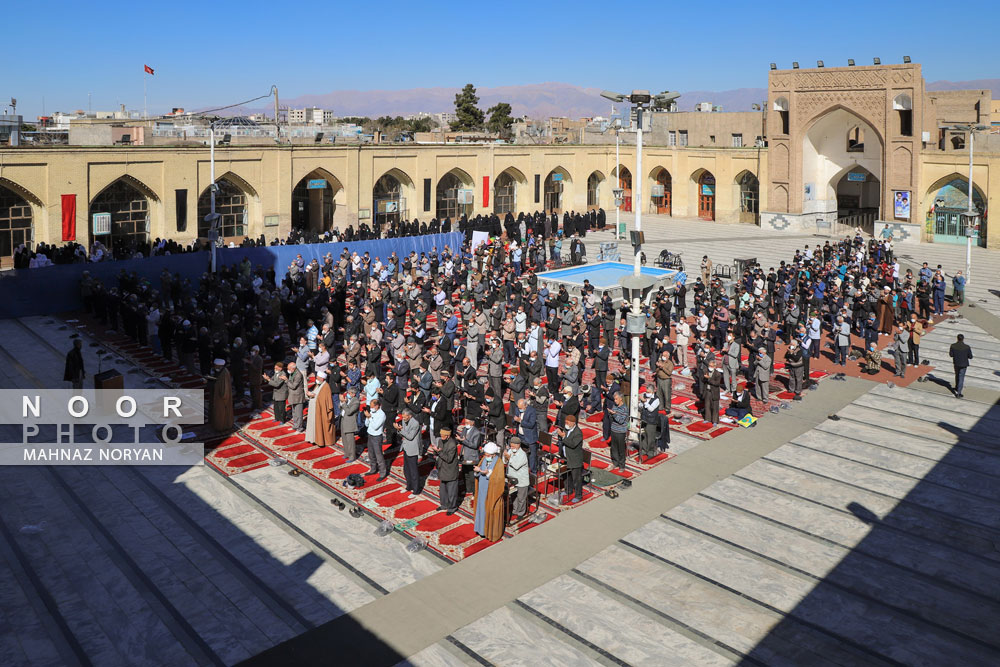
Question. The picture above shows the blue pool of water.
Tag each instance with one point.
(603, 275)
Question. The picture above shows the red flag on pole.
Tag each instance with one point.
(148, 69)
(69, 217)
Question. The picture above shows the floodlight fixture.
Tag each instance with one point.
(819, 63)
(850, 62)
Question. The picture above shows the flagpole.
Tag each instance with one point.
(145, 115)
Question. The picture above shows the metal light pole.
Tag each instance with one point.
(970, 210)
(641, 100)
(212, 216)
(618, 161)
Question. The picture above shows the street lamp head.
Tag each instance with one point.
(665, 98)
(614, 97)
(640, 97)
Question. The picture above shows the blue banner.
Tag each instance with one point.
(56, 289)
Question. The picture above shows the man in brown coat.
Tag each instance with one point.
(710, 389)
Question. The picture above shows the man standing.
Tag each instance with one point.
(843, 341)
(958, 288)
(650, 412)
(619, 430)
(222, 397)
(572, 445)
(279, 391)
(900, 343)
(349, 423)
(255, 377)
(448, 471)
(74, 372)
(495, 371)
(375, 425)
(706, 269)
(916, 330)
(526, 421)
(731, 365)
(296, 396)
(517, 469)
(710, 384)
(762, 375)
(960, 354)
(601, 363)
(409, 432)
(552, 364)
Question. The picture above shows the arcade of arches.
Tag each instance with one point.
(377, 183)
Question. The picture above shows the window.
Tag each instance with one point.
(737, 141)
(711, 138)
(683, 140)
(781, 106)
(958, 141)
(906, 122)
(856, 140)
(671, 138)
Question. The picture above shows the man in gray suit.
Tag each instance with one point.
(350, 406)
(409, 433)
(843, 334)
(900, 340)
(731, 364)
(296, 396)
(762, 375)
(496, 370)
(472, 346)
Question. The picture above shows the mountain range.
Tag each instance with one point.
(540, 100)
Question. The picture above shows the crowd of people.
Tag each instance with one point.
(353, 338)
(138, 246)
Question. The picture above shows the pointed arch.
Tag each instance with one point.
(747, 188)
(389, 201)
(22, 192)
(623, 176)
(239, 182)
(554, 189)
(232, 202)
(454, 195)
(661, 191)
(16, 220)
(594, 183)
(128, 201)
(313, 208)
(508, 191)
(132, 182)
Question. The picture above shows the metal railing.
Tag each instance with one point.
(866, 221)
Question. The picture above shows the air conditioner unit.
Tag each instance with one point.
(466, 196)
(657, 190)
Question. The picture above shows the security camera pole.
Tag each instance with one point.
(212, 218)
(641, 101)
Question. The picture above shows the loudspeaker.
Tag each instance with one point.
(180, 205)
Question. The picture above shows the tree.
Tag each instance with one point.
(470, 117)
(500, 120)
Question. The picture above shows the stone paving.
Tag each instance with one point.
(868, 538)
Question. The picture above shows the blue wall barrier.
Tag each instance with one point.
(56, 289)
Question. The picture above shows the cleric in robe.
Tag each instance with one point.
(222, 397)
(321, 427)
(490, 488)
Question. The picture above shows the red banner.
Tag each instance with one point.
(486, 191)
(69, 217)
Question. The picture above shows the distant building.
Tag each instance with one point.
(311, 116)
(10, 130)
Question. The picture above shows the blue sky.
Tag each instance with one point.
(208, 54)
